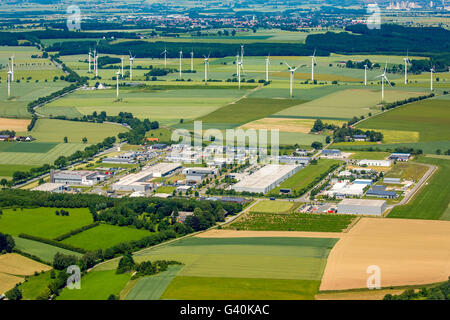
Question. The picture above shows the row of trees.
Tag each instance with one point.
(7, 243)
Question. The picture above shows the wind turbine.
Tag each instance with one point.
(131, 66)
(267, 67)
(431, 78)
(192, 60)
(365, 74)
(242, 54)
(96, 64)
(240, 66)
(383, 78)
(9, 82)
(407, 61)
(291, 70)
(237, 63)
(89, 60)
(165, 57)
(181, 60)
(206, 69)
(117, 83)
(313, 61)
(12, 68)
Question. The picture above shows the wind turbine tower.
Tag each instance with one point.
(431, 78)
(291, 70)
(407, 61)
(365, 74)
(242, 54)
(9, 83)
(117, 83)
(12, 68)
(131, 66)
(89, 60)
(192, 61)
(313, 61)
(383, 78)
(181, 60)
(240, 66)
(267, 68)
(165, 57)
(206, 69)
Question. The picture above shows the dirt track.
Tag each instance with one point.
(408, 252)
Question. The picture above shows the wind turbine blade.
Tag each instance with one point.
(387, 81)
(288, 65)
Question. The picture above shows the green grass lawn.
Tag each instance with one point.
(35, 285)
(50, 130)
(151, 288)
(44, 251)
(214, 288)
(272, 206)
(292, 222)
(305, 176)
(430, 118)
(43, 222)
(433, 199)
(27, 147)
(7, 170)
(165, 189)
(408, 171)
(97, 285)
(105, 236)
(362, 155)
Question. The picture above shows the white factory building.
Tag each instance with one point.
(348, 189)
(364, 207)
(76, 177)
(266, 178)
(375, 163)
(140, 181)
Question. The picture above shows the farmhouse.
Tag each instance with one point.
(358, 206)
(375, 163)
(266, 178)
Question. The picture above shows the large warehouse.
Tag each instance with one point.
(359, 206)
(266, 178)
(139, 181)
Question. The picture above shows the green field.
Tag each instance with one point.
(272, 206)
(345, 104)
(50, 130)
(430, 118)
(7, 170)
(41, 250)
(305, 176)
(167, 104)
(97, 285)
(213, 288)
(43, 222)
(292, 222)
(27, 147)
(104, 236)
(362, 155)
(35, 285)
(152, 288)
(264, 262)
(37, 159)
(433, 199)
(246, 110)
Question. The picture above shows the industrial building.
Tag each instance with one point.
(392, 180)
(331, 153)
(358, 206)
(400, 157)
(346, 189)
(51, 187)
(266, 178)
(200, 170)
(140, 181)
(375, 163)
(381, 193)
(77, 178)
(125, 158)
(304, 161)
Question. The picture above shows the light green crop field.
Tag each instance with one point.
(51, 130)
(98, 285)
(43, 222)
(7, 170)
(44, 251)
(152, 288)
(35, 285)
(407, 170)
(23, 93)
(431, 118)
(305, 176)
(37, 159)
(272, 206)
(345, 104)
(433, 200)
(105, 236)
(292, 222)
(214, 288)
(167, 105)
(361, 155)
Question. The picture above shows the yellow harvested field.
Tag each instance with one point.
(18, 125)
(7, 282)
(408, 252)
(16, 264)
(286, 124)
(215, 233)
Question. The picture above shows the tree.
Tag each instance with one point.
(14, 294)
(62, 261)
(126, 263)
(3, 182)
(66, 140)
(85, 140)
(6, 243)
(317, 145)
(327, 140)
